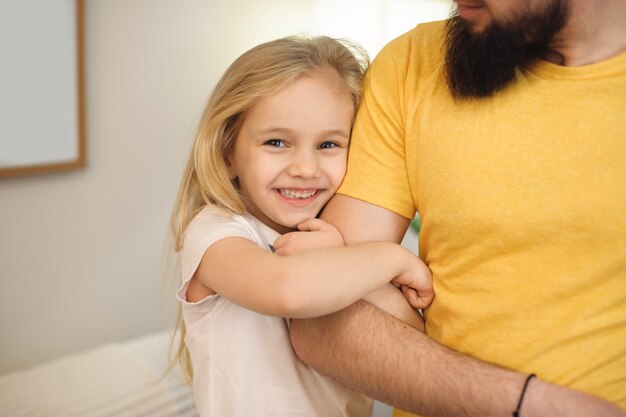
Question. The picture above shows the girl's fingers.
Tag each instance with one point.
(280, 241)
(313, 225)
(410, 294)
(418, 300)
(426, 297)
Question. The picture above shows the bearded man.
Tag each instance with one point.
(504, 127)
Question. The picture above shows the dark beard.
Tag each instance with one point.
(480, 64)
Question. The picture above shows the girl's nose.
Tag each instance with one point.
(304, 164)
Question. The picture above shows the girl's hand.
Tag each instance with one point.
(313, 234)
(416, 283)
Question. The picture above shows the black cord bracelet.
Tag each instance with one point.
(521, 397)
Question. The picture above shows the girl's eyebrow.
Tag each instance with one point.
(272, 130)
(284, 130)
(338, 132)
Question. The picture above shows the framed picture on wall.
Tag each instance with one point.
(42, 105)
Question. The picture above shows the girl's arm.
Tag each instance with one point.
(307, 284)
(318, 234)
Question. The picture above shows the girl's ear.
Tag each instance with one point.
(230, 166)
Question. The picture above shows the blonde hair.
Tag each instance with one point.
(257, 73)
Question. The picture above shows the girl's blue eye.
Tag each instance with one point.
(328, 145)
(277, 143)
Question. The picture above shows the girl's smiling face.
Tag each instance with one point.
(291, 151)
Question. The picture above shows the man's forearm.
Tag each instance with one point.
(378, 355)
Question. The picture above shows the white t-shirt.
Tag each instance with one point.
(243, 361)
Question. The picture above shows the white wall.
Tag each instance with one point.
(80, 252)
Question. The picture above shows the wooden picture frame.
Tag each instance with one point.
(42, 104)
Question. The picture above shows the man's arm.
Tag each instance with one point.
(372, 352)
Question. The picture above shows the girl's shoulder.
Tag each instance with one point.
(214, 214)
(211, 224)
(215, 223)
(207, 227)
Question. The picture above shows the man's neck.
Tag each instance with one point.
(595, 32)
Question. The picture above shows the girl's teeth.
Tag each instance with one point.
(297, 194)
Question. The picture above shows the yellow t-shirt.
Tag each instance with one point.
(522, 198)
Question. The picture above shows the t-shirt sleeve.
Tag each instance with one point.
(377, 171)
(204, 230)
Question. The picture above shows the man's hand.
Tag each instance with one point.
(313, 234)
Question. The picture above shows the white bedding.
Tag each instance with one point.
(117, 379)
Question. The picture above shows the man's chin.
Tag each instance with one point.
(479, 62)
(482, 56)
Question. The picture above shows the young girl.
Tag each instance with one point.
(270, 152)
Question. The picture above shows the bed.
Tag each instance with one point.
(116, 379)
(124, 379)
